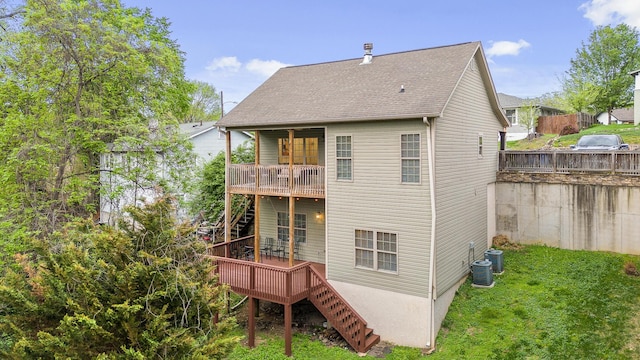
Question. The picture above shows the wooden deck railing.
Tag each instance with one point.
(617, 162)
(308, 180)
(233, 249)
(276, 284)
(290, 285)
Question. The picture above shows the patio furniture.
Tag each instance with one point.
(267, 248)
(296, 250)
(249, 253)
(280, 248)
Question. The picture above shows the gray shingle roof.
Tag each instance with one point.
(623, 114)
(347, 91)
(510, 101)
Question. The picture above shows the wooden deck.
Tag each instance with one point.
(273, 280)
(275, 180)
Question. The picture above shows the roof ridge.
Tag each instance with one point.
(381, 55)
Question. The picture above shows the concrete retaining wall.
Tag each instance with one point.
(570, 214)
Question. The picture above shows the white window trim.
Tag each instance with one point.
(376, 251)
(306, 226)
(335, 146)
(419, 158)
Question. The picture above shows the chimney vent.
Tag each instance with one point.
(368, 58)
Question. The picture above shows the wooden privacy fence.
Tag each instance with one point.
(617, 162)
(555, 123)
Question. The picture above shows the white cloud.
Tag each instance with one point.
(229, 63)
(264, 67)
(500, 48)
(235, 78)
(612, 12)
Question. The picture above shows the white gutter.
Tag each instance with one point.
(432, 262)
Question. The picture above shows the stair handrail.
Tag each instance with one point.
(357, 342)
(238, 215)
(220, 223)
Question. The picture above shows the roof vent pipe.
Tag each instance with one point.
(367, 54)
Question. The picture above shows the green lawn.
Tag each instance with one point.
(548, 304)
(630, 134)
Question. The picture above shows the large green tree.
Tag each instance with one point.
(78, 75)
(208, 199)
(140, 292)
(598, 79)
(205, 103)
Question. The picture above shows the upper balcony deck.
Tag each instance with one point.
(275, 180)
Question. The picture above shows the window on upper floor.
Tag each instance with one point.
(305, 151)
(376, 250)
(410, 155)
(480, 146)
(299, 227)
(344, 160)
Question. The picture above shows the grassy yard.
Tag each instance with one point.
(630, 134)
(548, 304)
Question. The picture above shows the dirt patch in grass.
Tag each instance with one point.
(502, 242)
(306, 319)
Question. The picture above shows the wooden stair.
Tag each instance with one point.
(240, 222)
(340, 314)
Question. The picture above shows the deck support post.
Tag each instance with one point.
(287, 329)
(256, 197)
(292, 202)
(252, 323)
(227, 196)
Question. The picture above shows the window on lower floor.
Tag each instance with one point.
(299, 227)
(511, 115)
(376, 250)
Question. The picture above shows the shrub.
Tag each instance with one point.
(97, 292)
(567, 130)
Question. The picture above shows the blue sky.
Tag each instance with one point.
(235, 45)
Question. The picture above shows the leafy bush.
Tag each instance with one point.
(142, 291)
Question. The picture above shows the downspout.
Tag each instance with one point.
(432, 249)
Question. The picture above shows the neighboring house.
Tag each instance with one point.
(394, 159)
(207, 140)
(512, 104)
(618, 116)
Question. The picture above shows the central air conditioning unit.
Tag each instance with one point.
(482, 273)
(495, 256)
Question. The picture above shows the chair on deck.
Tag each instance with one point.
(296, 250)
(248, 253)
(267, 248)
(280, 248)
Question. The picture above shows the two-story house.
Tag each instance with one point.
(380, 168)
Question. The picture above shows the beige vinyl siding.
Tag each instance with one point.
(462, 177)
(313, 249)
(269, 143)
(377, 200)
